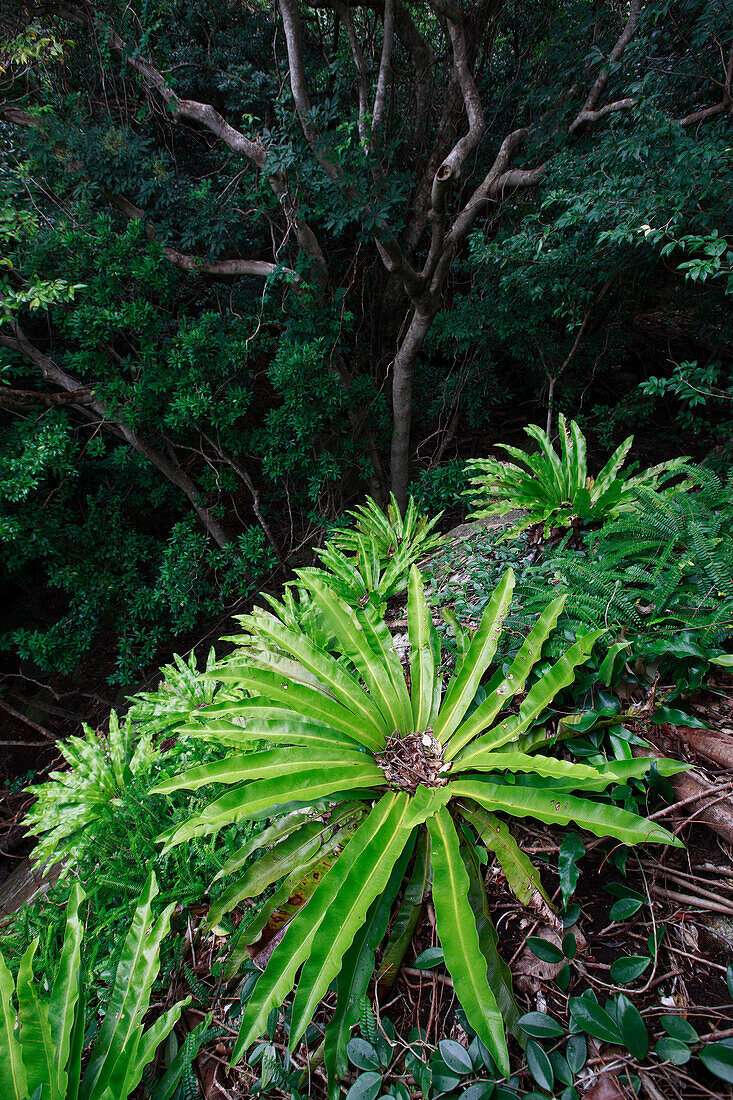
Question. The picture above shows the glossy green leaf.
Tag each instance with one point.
(38, 1050)
(679, 1028)
(366, 1087)
(114, 1051)
(382, 681)
(672, 1050)
(628, 968)
(311, 842)
(522, 877)
(424, 655)
(718, 1058)
(322, 665)
(496, 761)
(576, 1052)
(540, 1066)
(362, 1054)
(12, 1073)
(455, 1056)
(430, 957)
(538, 1025)
(596, 817)
(360, 855)
(65, 992)
(358, 968)
(407, 915)
(625, 908)
(592, 1019)
(514, 681)
(633, 1030)
(463, 684)
(263, 796)
(368, 878)
(268, 764)
(545, 950)
(308, 701)
(497, 972)
(459, 938)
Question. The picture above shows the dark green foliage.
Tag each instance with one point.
(270, 395)
(659, 577)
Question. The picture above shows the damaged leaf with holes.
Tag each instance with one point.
(364, 754)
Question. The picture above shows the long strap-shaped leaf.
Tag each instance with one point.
(459, 938)
(295, 891)
(295, 946)
(561, 809)
(116, 1045)
(12, 1074)
(548, 766)
(122, 1084)
(265, 722)
(514, 681)
(346, 689)
(312, 703)
(497, 972)
(38, 1049)
(462, 687)
(618, 771)
(522, 876)
(368, 877)
(65, 992)
(357, 969)
(268, 764)
(407, 915)
(537, 698)
(294, 852)
(353, 644)
(281, 828)
(551, 464)
(381, 642)
(424, 656)
(612, 467)
(256, 799)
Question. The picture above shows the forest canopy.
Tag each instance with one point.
(259, 259)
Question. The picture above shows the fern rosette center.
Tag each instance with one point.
(413, 761)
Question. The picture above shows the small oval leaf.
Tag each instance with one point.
(540, 1026)
(455, 1056)
(542, 949)
(628, 968)
(540, 1066)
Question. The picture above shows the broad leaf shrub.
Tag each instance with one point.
(554, 489)
(41, 1057)
(373, 758)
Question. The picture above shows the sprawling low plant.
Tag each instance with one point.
(555, 490)
(367, 564)
(70, 802)
(397, 539)
(373, 760)
(42, 1039)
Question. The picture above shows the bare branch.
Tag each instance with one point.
(191, 109)
(726, 103)
(20, 399)
(610, 108)
(294, 42)
(587, 111)
(361, 69)
(385, 63)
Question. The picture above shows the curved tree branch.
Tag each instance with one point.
(588, 112)
(172, 472)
